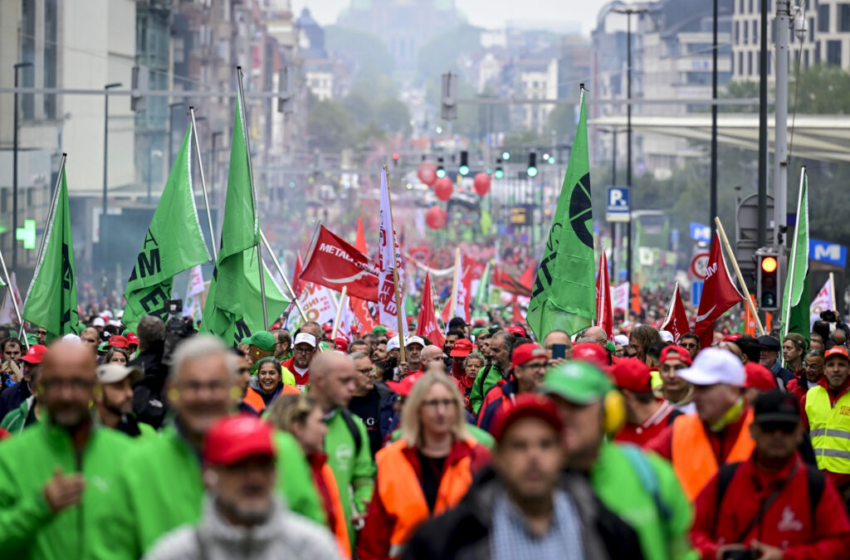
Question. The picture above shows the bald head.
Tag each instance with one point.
(430, 354)
(66, 355)
(333, 380)
(597, 334)
(66, 382)
(326, 364)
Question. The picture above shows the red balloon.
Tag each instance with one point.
(435, 217)
(427, 173)
(444, 188)
(482, 184)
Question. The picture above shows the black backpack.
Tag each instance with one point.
(348, 416)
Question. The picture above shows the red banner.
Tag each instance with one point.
(427, 324)
(604, 313)
(335, 263)
(676, 322)
(718, 295)
(507, 283)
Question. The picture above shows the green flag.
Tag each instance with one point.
(52, 297)
(173, 243)
(483, 293)
(564, 295)
(795, 301)
(234, 307)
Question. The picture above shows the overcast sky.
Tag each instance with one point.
(488, 13)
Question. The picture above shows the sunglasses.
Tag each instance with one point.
(784, 427)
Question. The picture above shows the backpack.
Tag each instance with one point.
(815, 480)
(648, 479)
(352, 427)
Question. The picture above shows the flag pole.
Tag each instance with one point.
(11, 288)
(339, 311)
(50, 211)
(729, 252)
(787, 304)
(832, 291)
(204, 182)
(243, 117)
(452, 296)
(399, 311)
(282, 275)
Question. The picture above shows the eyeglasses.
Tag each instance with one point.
(197, 386)
(689, 345)
(303, 350)
(75, 384)
(534, 366)
(366, 371)
(437, 403)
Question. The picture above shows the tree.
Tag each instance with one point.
(822, 90)
(562, 121)
(330, 126)
(360, 107)
(394, 116)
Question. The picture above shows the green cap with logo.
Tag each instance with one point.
(379, 330)
(264, 340)
(577, 382)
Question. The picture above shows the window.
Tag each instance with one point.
(746, 33)
(750, 63)
(811, 30)
(751, 6)
(833, 52)
(844, 17)
(806, 59)
(755, 32)
(823, 18)
(737, 32)
(740, 64)
(741, 10)
(817, 52)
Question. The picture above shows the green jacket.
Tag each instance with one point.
(621, 489)
(486, 379)
(28, 527)
(161, 489)
(354, 472)
(16, 421)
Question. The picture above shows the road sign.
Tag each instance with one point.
(696, 292)
(699, 266)
(831, 253)
(618, 204)
(700, 232)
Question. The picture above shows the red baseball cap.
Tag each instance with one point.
(234, 438)
(731, 337)
(118, 341)
(836, 351)
(327, 328)
(35, 354)
(461, 349)
(632, 375)
(402, 388)
(759, 377)
(519, 331)
(592, 353)
(132, 339)
(676, 353)
(524, 353)
(341, 344)
(530, 405)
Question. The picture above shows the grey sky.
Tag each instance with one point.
(488, 13)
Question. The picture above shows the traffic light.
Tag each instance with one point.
(767, 281)
(441, 172)
(551, 160)
(464, 163)
(506, 155)
(395, 159)
(532, 164)
(500, 173)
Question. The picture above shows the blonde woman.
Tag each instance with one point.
(301, 416)
(424, 473)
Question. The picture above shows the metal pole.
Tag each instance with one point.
(631, 251)
(241, 107)
(780, 161)
(762, 169)
(150, 150)
(10, 287)
(102, 227)
(17, 67)
(203, 182)
(52, 210)
(214, 165)
(282, 275)
(713, 194)
(613, 184)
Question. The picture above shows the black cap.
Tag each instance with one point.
(769, 343)
(457, 323)
(776, 406)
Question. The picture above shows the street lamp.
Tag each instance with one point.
(613, 132)
(628, 12)
(18, 66)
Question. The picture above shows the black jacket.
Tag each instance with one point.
(13, 397)
(463, 533)
(149, 403)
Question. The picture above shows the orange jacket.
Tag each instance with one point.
(399, 507)
(255, 399)
(326, 487)
(694, 459)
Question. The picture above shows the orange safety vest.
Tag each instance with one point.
(401, 493)
(341, 528)
(693, 458)
(255, 399)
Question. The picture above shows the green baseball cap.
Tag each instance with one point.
(379, 330)
(577, 382)
(32, 339)
(264, 340)
(104, 347)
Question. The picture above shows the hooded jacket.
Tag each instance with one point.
(16, 421)
(282, 535)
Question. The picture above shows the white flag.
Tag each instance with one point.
(390, 258)
(196, 281)
(620, 297)
(7, 312)
(317, 303)
(821, 303)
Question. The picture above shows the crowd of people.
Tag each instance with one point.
(165, 444)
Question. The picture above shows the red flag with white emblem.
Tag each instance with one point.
(427, 324)
(676, 322)
(604, 313)
(718, 295)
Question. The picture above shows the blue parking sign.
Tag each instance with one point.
(618, 204)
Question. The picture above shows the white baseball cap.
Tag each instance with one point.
(392, 344)
(113, 373)
(72, 337)
(666, 336)
(305, 338)
(622, 340)
(98, 322)
(714, 365)
(413, 340)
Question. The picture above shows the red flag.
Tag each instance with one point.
(517, 318)
(528, 277)
(508, 283)
(461, 293)
(718, 295)
(299, 266)
(357, 305)
(604, 313)
(360, 242)
(676, 322)
(427, 324)
(335, 263)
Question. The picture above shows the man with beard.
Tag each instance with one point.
(161, 487)
(60, 468)
(13, 397)
(241, 512)
(113, 397)
(299, 363)
(501, 345)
